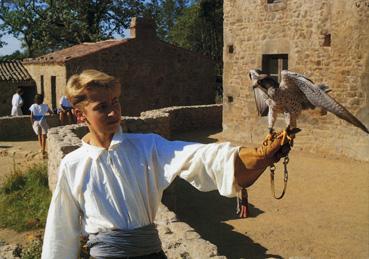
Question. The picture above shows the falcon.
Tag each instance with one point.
(293, 94)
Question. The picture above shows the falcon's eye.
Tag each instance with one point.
(259, 82)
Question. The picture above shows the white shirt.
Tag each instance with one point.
(39, 109)
(64, 101)
(17, 100)
(122, 187)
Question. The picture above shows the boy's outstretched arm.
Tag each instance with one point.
(252, 162)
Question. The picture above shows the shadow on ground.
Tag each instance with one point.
(206, 213)
(18, 138)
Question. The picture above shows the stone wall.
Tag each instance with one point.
(47, 71)
(20, 127)
(179, 240)
(153, 74)
(189, 118)
(326, 40)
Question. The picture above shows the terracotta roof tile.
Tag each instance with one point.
(13, 71)
(76, 51)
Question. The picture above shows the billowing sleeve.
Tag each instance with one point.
(63, 227)
(205, 166)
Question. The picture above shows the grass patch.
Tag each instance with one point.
(25, 199)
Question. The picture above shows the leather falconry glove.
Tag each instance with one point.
(251, 162)
(269, 153)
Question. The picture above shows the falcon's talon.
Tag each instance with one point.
(287, 137)
(284, 136)
(268, 138)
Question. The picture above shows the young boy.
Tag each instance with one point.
(38, 120)
(110, 188)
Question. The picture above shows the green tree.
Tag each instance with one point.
(19, 21)
(48, 25)
(200, 29)
(166, 13)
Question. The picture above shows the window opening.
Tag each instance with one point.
(273, 64)
(53, 92)
(42, 85)
(327, 40)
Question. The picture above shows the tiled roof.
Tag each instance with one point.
(76, 51)
(13, 71)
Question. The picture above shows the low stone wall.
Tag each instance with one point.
(179, 240)
(12, 128)
(187, 118)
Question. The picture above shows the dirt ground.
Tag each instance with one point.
(324, 214)
(18, 155)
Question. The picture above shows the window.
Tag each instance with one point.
(274, 64)
(53, 92)
(230, 49)
(327, 40)
(42, 85)
(275, 5)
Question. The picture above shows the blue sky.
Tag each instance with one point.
(13, 45)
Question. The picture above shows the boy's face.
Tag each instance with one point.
(102, 111)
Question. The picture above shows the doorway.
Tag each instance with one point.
(53, 93)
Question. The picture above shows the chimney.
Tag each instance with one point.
(143, 28)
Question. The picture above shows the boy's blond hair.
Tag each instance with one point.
(88, 79)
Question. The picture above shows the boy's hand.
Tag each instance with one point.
(252, 162)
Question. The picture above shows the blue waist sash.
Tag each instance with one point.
(37, 117)
(125, 243)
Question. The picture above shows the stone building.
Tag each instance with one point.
(327, 40)
(13, 75)
(153, 74)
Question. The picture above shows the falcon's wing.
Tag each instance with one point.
(292, 87)
(260, 100)
(317, 96)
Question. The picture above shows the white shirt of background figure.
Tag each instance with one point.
(17, 103)
(64, 102)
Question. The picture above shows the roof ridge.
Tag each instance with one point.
(76, 51)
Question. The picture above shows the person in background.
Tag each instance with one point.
(38, 120)
(17, 103)
(65, 113)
